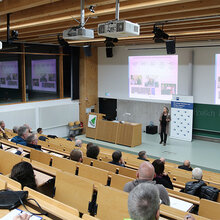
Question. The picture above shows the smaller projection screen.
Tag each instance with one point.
(153, 77)
(217, 79)
(9, 74)
(44, 76)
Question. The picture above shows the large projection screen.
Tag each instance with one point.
(153, 77)
(217, 79)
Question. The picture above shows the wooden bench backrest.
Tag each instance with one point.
(3, 184)
(209, 209)
(93, 173)
(11, 184)
(73, 191)
(40, 156)
(127, 172)
(89, 217)
(104, 166)
(8, 160)
(118, 181)
(64, 164)
(112, 203)
(53, 206)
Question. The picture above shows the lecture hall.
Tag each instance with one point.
(109, 109)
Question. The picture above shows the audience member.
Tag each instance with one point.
(32, 141)
(78, 143)
(161, 177)
(15, 129)
(142, 155)
(28, 127)
(186, 166)
(71, 137)
(197, 173)
(22, 136)
(144, 202)
(93, 152)
(23, 173)
(89, 145)
(117, 159)
(76, 155)
(3, 134)
(145, 174)
(40, 131)
(163, 160)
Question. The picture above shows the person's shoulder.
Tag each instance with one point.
(129, 186)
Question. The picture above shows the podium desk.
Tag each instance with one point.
(128, 134)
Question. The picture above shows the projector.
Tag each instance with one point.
(78, 33)
(0, 45)
(118, 28)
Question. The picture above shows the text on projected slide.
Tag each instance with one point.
(153, 77)
(9, 74)
(217, 79)
(44, 75)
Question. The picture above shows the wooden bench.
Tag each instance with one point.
(40, 156)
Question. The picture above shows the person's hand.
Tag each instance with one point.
(164, 174)
(2, 130)
(122, 161)
(22, 217)
(189, 217)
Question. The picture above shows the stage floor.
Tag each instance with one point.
(203, 154)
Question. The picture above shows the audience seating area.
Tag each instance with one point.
(94, 187)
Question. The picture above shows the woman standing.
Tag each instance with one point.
(164, 125)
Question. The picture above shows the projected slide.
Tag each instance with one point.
(44, 75)
(153, 77)
(217, 79)
(9, 74)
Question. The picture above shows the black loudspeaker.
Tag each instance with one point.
(109, 52)
(87, 51)
(171, 46)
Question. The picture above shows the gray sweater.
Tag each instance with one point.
(162, 191)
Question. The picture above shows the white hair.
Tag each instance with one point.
(143, 202)
(78, 143)
(197, 173)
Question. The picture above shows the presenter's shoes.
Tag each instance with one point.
(164, 144)
(161, 142)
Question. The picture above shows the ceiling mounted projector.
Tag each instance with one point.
(0, 45)
(79, 32)
(118, 28)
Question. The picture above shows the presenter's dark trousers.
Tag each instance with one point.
(163, 135)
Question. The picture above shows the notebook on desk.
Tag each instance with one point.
(180, 204)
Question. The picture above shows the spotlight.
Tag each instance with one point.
(159, 34)
(109, 43)
(14, 35)
(91, 8)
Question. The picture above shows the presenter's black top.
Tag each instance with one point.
(164, 122)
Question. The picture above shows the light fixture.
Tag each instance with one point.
(159, 34)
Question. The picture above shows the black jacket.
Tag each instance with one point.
(183, 167)
(164, 180)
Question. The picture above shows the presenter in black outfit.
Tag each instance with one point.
(164, 125)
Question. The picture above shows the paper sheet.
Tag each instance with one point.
(16, 212)
(180, 204)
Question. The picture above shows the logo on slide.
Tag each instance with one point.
(92, 121)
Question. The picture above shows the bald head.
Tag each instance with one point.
(145, 171)
(162, 160)
(187, 163)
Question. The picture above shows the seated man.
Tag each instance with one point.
(40, 131)
(162, 159)
(93, 152)
(23, 133)
(15, 129)
(2, 131)
(76, 155)
(142, 155)
(144, 202)
(197, 173)
(71, 137)
(117, 159)
(145, 174)
(186, 166)
(32, 142)
(78, 143)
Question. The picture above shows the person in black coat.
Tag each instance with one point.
(186, 166)
(160, 176)
(32, 142)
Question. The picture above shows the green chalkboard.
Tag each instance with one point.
(206, 120)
